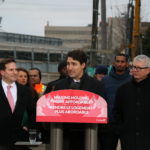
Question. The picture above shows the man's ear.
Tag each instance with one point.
(1, 72)
(149, 70)
(83, 65)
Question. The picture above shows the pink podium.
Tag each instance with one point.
(75, 106)
(72, 106)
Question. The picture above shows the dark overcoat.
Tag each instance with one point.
(87, 83)
(132, 114)
(74, 133)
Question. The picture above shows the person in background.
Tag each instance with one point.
(62, 69)
(23, 79)
(100, 72)
(118, 75)
(15, 99)
(132, 107)
(74, 134)
(35, 79)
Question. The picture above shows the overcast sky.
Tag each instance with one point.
(30, 16)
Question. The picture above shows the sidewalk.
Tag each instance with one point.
(43, 147)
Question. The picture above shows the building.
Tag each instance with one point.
(46, 52)
(72, 37)
(116, 33)
(79, 38)
(33, 51)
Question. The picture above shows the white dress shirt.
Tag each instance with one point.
(76, 80)
(13, 90)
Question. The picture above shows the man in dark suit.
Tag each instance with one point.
(15, 99)
(75, 134)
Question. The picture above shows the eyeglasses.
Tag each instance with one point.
(138, 68)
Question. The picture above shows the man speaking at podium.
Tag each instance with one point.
(73, 133)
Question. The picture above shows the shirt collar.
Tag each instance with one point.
(6, 84)
(76, 80)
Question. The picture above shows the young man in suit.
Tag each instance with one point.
(75, 134)
(15, 99)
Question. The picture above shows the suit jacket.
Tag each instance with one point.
(87, 83)
(10, 123)
(74, 133)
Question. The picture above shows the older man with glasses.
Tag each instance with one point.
(132, 109)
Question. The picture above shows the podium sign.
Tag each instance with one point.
(71, 106)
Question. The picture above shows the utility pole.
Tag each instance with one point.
(136, 29)
(94, 42)
(92, 129)
(1, 1)
(129, 27)
(103, 25)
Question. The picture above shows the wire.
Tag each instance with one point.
(111, 8)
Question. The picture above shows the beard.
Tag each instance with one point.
(119, 69)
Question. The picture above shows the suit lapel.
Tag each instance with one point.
(3, 96)
(18, 96)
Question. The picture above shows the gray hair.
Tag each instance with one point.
(143, 58)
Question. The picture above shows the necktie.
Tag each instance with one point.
(10, 98)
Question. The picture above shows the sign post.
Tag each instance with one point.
(91, 137)
(56, 136)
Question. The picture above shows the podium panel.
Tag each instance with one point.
(72, 106)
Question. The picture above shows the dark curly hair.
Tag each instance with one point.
(78, 55)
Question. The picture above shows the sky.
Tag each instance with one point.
(30, 16)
